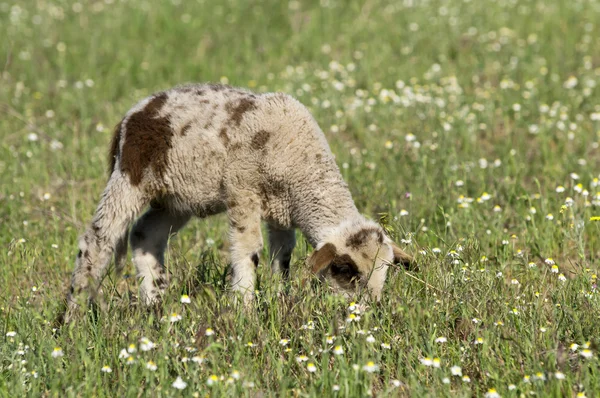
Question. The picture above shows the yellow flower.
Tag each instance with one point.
(595, 218)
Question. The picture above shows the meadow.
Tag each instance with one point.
(470, 129)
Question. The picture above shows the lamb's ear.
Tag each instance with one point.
(400, 257)
(322, 257)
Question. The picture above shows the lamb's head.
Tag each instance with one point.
(356, 255)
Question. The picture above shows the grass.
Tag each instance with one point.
(469, 128)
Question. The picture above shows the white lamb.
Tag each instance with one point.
(199, 150)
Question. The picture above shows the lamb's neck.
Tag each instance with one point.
(323, 207)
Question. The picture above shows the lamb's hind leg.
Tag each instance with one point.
(149, 237)
(281, 245)
(119, 204)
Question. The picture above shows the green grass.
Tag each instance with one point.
(427, 106)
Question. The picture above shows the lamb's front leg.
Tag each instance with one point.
(281, 245)
(246, 245)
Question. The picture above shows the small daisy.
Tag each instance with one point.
(311, 367)
(146, 345)
(338, 350)
(235, 375)
(131, 349)
(174, 318)
(456, 371)
(426, 361)
(466, 379)
(574, 347)
(198, 360)
(179, 383)
(436, 363)
(511, 387)
(385, 346)
(301, 358)
(446, 380)
(492, 393)
(586, 353)
(209, 332)
(130, 360)
(284, 342)
(441, 340)
(151, 366)
(559, 375)
(185, 299)
(371, 367)
(11, 334)
(123, 354)
(335, 387)
(330, 339)
(57, 352)
(562, 277)
(370, 339)
(212, 379)
(106, 369)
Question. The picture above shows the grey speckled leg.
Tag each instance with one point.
(281, 245)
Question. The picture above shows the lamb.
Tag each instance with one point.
(203, 149)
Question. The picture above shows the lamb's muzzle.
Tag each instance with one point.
(199, 150)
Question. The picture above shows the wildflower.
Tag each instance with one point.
(515, 282)
(441, 339)
(456, 371)
(436, 363)
(209, 332)
(131, 349)
(57, 352)
(554, 269)
(539, 376)
(301, 358)
(130, 360)
(11, 334)
(514, 311)
(185, 299)
(511, 387)
(595, 218)
(123, 354)
(235, 375)
(549, 217)
(492, 393)
(586, 353)
(396, 383)
(197, 359)
(426, 361)
(151, 366)
(212, 379)
(560, 189)
(311, 367)
(574, 347)
(370, 367)
(335, 387)
(446, 380)
(370, 339)
(179, 383)
(543, 329)
(559, 375)
(106, 369)
(284, 342)
(338, 350)
(330, 339)
(352, 318)
(526, 379)
(466, 379)
(581, 395)
(532, 265)
(385, 346)
(562, 278)
(146, 345)
(175, 317)
(479, 340)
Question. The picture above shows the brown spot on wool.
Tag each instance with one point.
(358, 239)
(238, 109)
(218, 86)
(224, 137)
(185, 128)
(260, 139)
(147, 141)
(114, 148)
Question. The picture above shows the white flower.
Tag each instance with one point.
(175, 317)
(33, 137)
(441, 339)
(466, 379)
(562, 278)
(511, 387)
(396, 383)
(11, 334)
(106, 369)
(335, 387)
(574, 347)
(57, 352)
(311, 367)
(426, 361)
(185, 299)
(338, 350)
(146, 345)
(235, 374)
(370, 339)
(212, 380)
(284, 342)
(386, 346)
(151, 366)
(492, 393)
(131, 349)
(559, 376)
(586, 353)
(179, 383)
(301, 358)
(456, 371)
(436, 363)
(209, 332)
(123, 354)
(198, 360)
(370, 367)
(446, 380)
